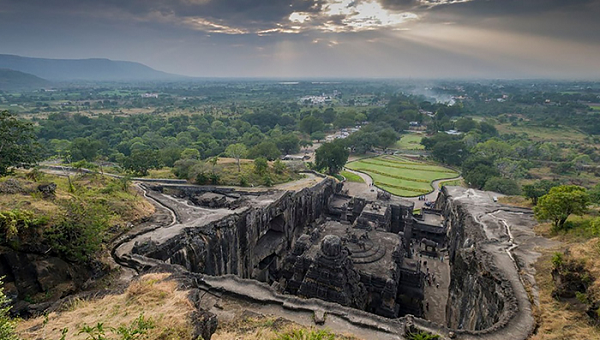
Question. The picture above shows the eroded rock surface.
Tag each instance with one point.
(492, 251)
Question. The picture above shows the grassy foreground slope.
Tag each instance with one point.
(167, 310)
(560, 318)
(401, 176)
(74, 221)
(575, 249)
(151, 296)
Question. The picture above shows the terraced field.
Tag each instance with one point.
(401, 176)
(411, 141)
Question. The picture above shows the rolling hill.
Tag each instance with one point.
(15, 80)
(83, 69)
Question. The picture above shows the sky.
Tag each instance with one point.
(500, 39)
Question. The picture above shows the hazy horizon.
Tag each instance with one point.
(317, 39)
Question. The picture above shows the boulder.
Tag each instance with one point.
(205, 324)
(47, 190)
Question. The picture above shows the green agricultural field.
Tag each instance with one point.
(410, 141)
(452, 183)
(351, 177)
(595, 107)
(401, 176)
(539, 133)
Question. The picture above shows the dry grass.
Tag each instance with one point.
(126, 206)
(261, 328)
(516, 201)
(560, 319)
(152, 295)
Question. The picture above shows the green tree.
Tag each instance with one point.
(538, 189)
(582, 161)
(328, 115)
(345, 119)
(560, 203)
(476, 171)
(17, 143)
(237, 151)
(318, 136)
(488, 129)
(387, 138)
(288, 144)
(311, 124)
(362, 142)
(213, 161)
(190, 153)
(279, 167)
(261, 165)
(505, 186)
(84, 149)
(452, 152)
(494, 148)
(266, 149)
(332, 156)
(465, 124)
(141, 161)
(305, 143)
(182, 168)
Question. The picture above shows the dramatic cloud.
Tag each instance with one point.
(390, 38)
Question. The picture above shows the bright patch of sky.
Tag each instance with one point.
(355, 15)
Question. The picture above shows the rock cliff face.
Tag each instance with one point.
(480, 296)
(249, 243)
(475, 300)
(32, 280)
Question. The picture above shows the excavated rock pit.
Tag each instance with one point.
(238, 244)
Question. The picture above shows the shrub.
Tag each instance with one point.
(261, 165)
(136, 330)
(7, 324)
(279, 167)
(302, 334)
(268, 180)
(13, 221)
(420, 335)
(202, 178)
(80, 231)
(557, 260)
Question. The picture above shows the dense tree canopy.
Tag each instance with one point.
(141, 161)
(538, 189)
(17, 143)
(332, 156)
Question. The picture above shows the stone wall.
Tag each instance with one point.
(480, 298)
(244, 243)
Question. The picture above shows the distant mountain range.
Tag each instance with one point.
(83, 69)
(15, 80)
